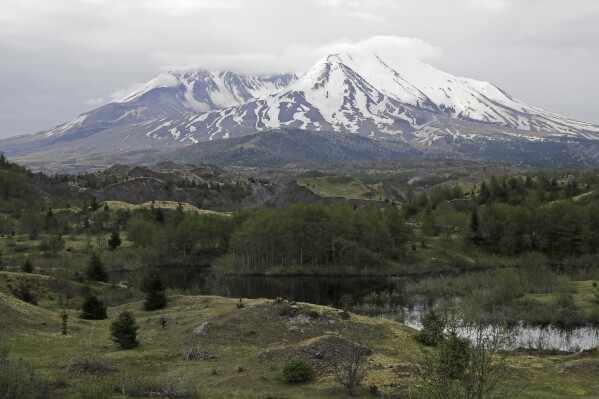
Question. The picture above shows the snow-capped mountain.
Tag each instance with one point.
(362, 94)
(352, 93)
(173, 94)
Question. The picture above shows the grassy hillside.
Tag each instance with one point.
(341, 187)
(171, 205)
(251, 346)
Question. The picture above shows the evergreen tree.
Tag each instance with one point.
(433, 326)
(93, 309)
(95, 205)
(124, 330)
(95, 269)
(153, 286)
(484, 197)
(474, 226)
(159, 215)
(114, 241)
(28, 266)
(51, 222)
(64, 318)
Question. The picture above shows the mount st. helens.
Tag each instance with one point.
(362, 94)
(350, 93)
(169, 95)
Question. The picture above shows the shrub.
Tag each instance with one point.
(348, 365)
(171, 386)
(64, 318)
(91, 365)
(297, 371)
(25, 293)
(473, 367)
(196, 354)
(153, 287)
(93, 309)
(432, 329)
(115, 240)
(28, 266)
(454, 353)
(95, 269)
(124, 330)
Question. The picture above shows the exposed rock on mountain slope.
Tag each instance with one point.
(359, 94)
(279, 147)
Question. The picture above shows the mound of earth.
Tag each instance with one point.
(321, 352)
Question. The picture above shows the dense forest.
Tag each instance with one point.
(504, 216)
(551, 213)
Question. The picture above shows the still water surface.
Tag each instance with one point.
(327, 290)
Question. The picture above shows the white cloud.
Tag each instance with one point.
(121, 93)
(96, 102)
(294, 59)
(353, 4)
(491, 5)
(393, 47)
(185, 7)
(62, 57)
(299, 58)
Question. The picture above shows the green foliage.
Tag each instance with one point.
(346, 303)
(159, 215)
(537, 214)
(93, 308)
(64, 318)
(474, 226)
(153, 286)
(454, 355)
(53, 243)
(432, 332)
(298, 371)
(319, 235)
(16, 190)
(25, 292)
(95, 269)
(18, 380)
(27, 266)
(187, 236)
(464, 368)
(141, 231)
(114, 241)
(123, 330)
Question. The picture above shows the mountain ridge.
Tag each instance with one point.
(348, 93)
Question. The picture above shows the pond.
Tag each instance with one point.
(375, 296)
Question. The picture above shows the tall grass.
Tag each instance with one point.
(18, 380)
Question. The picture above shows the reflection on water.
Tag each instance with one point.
(372, 296)
(574, 340)
(322, 290)
(536, 338)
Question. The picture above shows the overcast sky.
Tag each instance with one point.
(60, 58)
